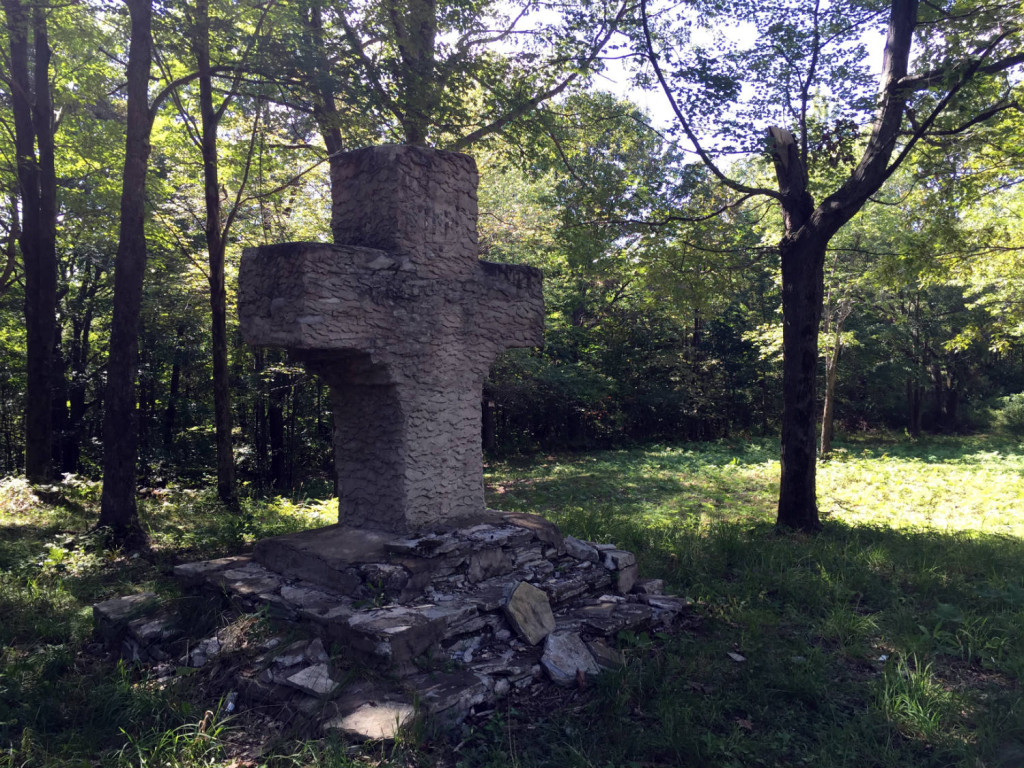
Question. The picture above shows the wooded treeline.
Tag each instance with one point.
(662, 282)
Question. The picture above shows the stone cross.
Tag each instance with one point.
(402, 320)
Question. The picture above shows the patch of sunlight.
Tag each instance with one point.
(984, 495)
(16, 497)
(313, 512)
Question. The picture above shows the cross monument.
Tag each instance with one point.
(402, 320)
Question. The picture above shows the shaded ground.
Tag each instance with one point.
(895, 637)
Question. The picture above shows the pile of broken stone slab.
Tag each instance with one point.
(440, 624)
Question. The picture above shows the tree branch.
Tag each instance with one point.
(685, 124)
(531, 104)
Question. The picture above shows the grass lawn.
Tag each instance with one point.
(893, 638)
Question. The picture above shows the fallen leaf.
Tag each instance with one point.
(745, 724)
(737, 657)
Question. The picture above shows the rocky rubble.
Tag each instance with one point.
(449, 622)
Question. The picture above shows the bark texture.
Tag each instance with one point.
(32, 110)
(215, 246)
(118, 510)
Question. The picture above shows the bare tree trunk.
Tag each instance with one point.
(215, 245)
(802, 253)
(802, 279)
(174, 388)
(913, 407)
(487, 431)
(831, 374)
(275, 429)
(325, 112)
(259, 418)
(32, 109)
(83, 309)
(828, 409)
(118, 509)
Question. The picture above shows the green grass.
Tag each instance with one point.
(893, 638)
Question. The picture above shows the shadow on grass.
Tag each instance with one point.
(18, 539)
(679, 456)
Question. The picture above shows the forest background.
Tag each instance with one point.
(143, 144)
(662, 285)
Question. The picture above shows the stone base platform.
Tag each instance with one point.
(395, 627)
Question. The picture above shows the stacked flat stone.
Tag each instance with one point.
(465, 600)
(455, 640)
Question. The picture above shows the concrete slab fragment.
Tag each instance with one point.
(605, 656)
(448, 696)
(488, 563)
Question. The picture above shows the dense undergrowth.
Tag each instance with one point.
(893, 638)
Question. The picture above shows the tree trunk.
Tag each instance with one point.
(414, 26)
(215, 245)
(913, 407)
(171, 412)
(7, 425)
(325, 112)
(802, 255)
(803, 263)
(952, 407)
(118, 510)
(828, 409)
(275, 429)
(259, 418)
(82, 312)
(293, 444)
(831, 374)
(60, 417)
(32, 111)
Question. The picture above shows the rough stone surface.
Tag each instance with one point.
(487, 563)
(453, 625)
(617, 559)
(529, 612)
(565, 657)
(666, 607)
(649, 586)
(448, 696)
(192, 574)
(581, 550)
(402, 321)
(314, 680)
(626, 578)
(315, 653)
(119, 609)
(373, 720)
(605, 656)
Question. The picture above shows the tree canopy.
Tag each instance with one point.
(849, 170)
